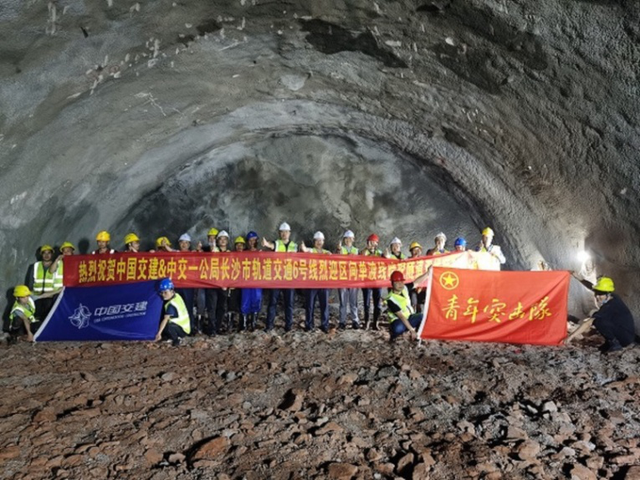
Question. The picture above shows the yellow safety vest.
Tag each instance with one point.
(281, 247)
(58, 277)
(28, 311)
(403, 301)
(401, 257)
(377, 253)
(183, 313)
(349, 250)
(322, 250)
(43, 281)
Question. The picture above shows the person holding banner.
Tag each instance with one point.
(251, 298)
(102, 239)
(369, 293)
(282, 245)
(210, 294)
(418, 294)
(486, 245)
(24, 310)
(460, 245)
(188, 294)
(175, 324)
(613, 320)
(393, 251)
(438, 249)
(400, 313)
(312, 293)
(348, 296)
(131, 243)
(57, 268)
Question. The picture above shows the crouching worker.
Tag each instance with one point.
(23, 313)
(175, 324)
(400, 313)
(613, 320)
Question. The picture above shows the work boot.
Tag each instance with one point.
(252, 322)
(614, 346)
(242, 324)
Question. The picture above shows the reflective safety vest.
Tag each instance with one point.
(401, 256)
(42, 278)
(438, 252)
(322, 250)
(349, 250)
(289, 247)
(367, 253)
(183, 313)
(96, 252)
(402, 300)
(28, 311)
(58, 277)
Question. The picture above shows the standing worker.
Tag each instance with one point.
(348, 296)
(372, 250)
(282, 245)
(438, 249)
(131, 243)
(251, 297)
(322, 294)
(175, 324)
(486, 245)
(188, 294)
(394, 250)
(102, 239)
(417, 294)
(57, 268)
(460, 245)
(40, 279)
(210, 294)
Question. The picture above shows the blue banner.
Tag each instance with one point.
(119, 312)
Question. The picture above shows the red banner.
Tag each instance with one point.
(511, 307)
(255, 269)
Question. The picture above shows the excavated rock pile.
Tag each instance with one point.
(297, 406)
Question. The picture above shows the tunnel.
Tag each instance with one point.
(404, 118)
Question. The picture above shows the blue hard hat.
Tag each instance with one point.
(460, 242)
(251, 235)
(166, 284)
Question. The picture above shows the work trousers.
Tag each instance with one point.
(611, 331)
(397, 328)
(216, 304)
(322, 294)
(349, 306)
(376, 293)
(288, 294)
(173, 332)
(251, 301)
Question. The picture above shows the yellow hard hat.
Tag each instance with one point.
(604, 284)
(21, 291)
(67, 245)
(130, 237)
(44, 248)
(162, 240)
(239, 239)
(415, 245)
(487, 232)
(103, 236)
(212, 233)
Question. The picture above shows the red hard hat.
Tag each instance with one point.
(373, 238)
(397, 276)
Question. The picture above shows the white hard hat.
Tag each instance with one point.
(284, 227)
(395, 240)
(442, 235)
(348, 234)
(185, 237)
(318, 236)
(223, 233)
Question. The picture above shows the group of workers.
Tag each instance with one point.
(184, 315)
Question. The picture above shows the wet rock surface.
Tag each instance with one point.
(347, 405)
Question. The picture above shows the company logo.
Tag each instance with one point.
(80, 317)
(449, 280)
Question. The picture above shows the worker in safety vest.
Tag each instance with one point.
(348, 296)
(439, 243)
(222, 304)
(102, 239)
(613, 320)
(23, 317)
(57, 267)
(322, 294)
(40, 279)
(369, 293)
(282, 245)
(460, 245)
(188, 294)
(163, 244)
(251, 298)
(394, 250)
(486, 245)
(401, 316)
(131, 243)
(175, 324)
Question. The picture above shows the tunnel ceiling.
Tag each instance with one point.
(406, 117)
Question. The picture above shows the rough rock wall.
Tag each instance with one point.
(522, 115)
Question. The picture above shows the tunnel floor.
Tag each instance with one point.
(311, 405)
